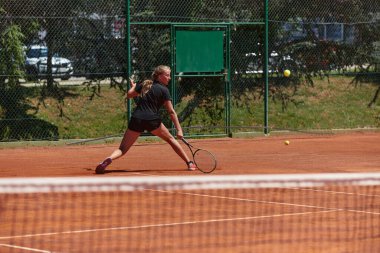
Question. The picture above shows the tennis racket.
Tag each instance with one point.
(203, 159)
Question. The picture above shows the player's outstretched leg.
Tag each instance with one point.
(129, 138)
(191, 166)
(164, 134)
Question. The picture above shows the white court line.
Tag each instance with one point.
(268, 202)
(279, 203)
(162, 225)
(24, 248)
(291, 188)
(328, 209)
(144, 174)
(336, 192)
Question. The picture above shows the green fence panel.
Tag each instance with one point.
(200, 51)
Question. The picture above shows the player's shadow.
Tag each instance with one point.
(143, 170)
(123, 171)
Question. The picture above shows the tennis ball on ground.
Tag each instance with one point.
(287, 142)
(286, 72)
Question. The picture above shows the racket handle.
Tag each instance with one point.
(185, 141)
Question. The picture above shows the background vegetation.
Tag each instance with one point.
(91, 33)
(325, 105)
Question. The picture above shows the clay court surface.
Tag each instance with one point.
(354, 152)
(105, 225)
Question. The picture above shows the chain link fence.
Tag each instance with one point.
(64, 65)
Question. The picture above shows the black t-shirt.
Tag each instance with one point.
(148, 106)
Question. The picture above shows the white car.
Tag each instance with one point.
(36, 64)
(277, 63)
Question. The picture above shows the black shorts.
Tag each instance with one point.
(140, 125)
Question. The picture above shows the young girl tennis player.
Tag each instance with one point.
(152, 95)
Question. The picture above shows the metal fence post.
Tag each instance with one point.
(265, 70)
(128, 51)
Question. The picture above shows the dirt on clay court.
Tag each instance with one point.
(357, 151)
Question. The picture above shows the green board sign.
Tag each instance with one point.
(199, 51)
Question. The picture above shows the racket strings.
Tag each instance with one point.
(204, 160)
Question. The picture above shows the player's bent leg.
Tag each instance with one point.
(129, 138)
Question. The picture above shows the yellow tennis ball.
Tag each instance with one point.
(287, 72)
(287, 142)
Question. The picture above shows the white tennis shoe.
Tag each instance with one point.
(191, 166)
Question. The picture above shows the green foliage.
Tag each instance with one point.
(11, 56)
(17, 120)
(81, 30)
(84, 115)
(325, 105)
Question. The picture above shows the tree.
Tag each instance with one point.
(11, 56)
(15, 122)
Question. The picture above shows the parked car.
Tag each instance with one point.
(277, 63)
(36, 64)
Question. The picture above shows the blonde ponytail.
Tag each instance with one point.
(146, 86)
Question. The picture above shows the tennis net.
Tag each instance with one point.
(235, 213)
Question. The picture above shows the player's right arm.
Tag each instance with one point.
(132, 91)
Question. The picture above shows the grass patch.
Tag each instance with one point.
(328, 104)
(83, 117)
